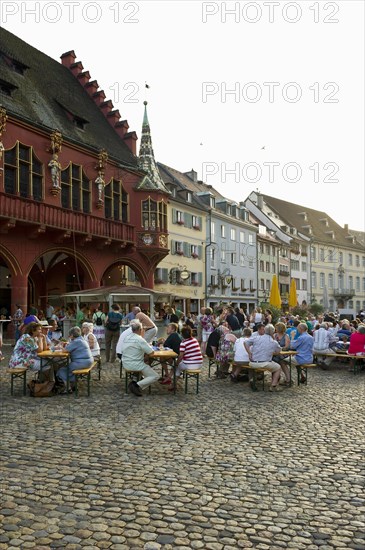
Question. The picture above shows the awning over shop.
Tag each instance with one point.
(120, 294)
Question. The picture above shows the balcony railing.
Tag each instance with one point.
(55, 217)
(284, 272)
(344, 292)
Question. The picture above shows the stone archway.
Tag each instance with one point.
(59, 270)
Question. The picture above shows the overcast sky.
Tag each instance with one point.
(249, 94)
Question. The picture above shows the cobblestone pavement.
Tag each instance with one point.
(226, 469)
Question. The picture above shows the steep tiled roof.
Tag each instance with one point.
(324, 228)
(189, 183)
(170, 175)
(46, 91)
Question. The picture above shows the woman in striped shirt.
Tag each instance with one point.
(190, 356)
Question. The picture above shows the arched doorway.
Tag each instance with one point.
(56, 272)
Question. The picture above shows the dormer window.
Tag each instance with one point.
(212, 202)
(189, 196)
(6, 88)
(324, 221)
(79, 122)
(17, 66)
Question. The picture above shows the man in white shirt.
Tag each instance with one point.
(322, 338)
(260, 350)
(133, 349)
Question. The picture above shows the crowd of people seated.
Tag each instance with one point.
(234, 340)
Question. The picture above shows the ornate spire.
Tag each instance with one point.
(146, 161)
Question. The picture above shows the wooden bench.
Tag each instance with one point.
(302, 371)
(130, 375)
(254, 371)
(355, 359)
(82, 374)
(192, 374)
(21, 373)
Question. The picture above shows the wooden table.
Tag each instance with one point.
(49, 357)
(163, 355)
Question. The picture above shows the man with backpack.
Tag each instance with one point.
(112, 333)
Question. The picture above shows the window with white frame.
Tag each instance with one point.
(363, 283)
(267, 267)
(297, 282)
(351, 281)
(267, 249)
(363, 261)
(223, 231)
(212, 257)
(357, 260)
(321, 254)
(250, 238)
(242, 237)
(189, 197)
(304, 266)
(351, 304)
(233, 234)
(179, 217)
(357, 283)
(195, 222)
(223, 253)
(330, 280)
(212, 231)
(313, 253)
(242, 260)
(304, 284)
(357, 305)
(268, 284)
(321, 280)
(251, 264)
(340, 257)
(261, 248)
(330, 256)
(233, 258)
(314, 279)
(179, 248)
(273, 267)
(262, 284)
(194, 251)
(350, 259)
(261, 265)
(252, 285)
(243, 285)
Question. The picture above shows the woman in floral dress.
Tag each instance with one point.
(225, 353)
(27, 347)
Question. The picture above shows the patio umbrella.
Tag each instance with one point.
(275, 299)
(293, 294)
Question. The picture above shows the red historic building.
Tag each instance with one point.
(76, 202)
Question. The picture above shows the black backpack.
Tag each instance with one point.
(99, 320)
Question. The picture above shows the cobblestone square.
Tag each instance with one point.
(225, 469)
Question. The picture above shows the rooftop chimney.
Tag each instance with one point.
(192, 175)
(121, 128)
(91, 87)
(130, 139)
(113, 117)
(346, 227)
(84, 77)
(76, 68)
(99, 97)
(68, 58)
